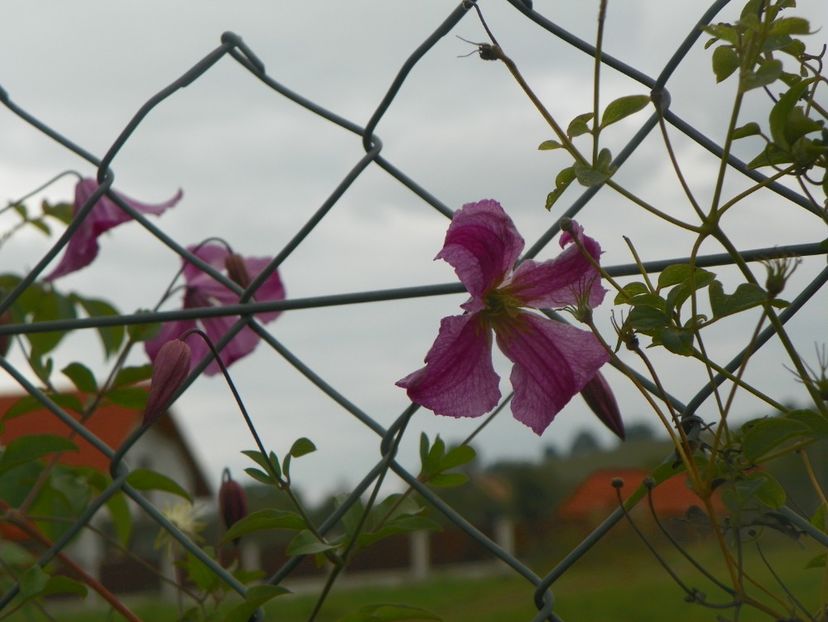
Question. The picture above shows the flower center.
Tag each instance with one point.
(501, 305)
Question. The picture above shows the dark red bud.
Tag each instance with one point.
(170, 368)
(598, 396)
(5, 340)
(232, 501)
(237, 270)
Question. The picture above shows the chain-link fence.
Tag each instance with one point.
(233, 46)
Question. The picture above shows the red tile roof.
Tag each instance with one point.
(595, 497)
(110, 423)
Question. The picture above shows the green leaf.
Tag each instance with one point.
(255, 598)
(41, 226)
(58, 211)
(448, 480)
(816, 423)
(647, 319)
(562, 181)
(771, 155)
(781, 113)
(725, 32)
(589, 176)
(623, 107)
(146, 479)
(548, 145)
(121, 517)
(748, 129)
(49, 306)
(677, 340)
(761, 487)
(81, 377)
(260, 476)
(629, 291)
(746, 296)
(129, 397)
(33, 582)
(131, 375)
(302, 447)
(458, 456)
(679, 273)
(761, 436)
(30, 403)
(424, 444)
(767, 73)
(199, 573)
(28, 448)
(270, 465)
(578, 125)
(790, 26)
(725, 62)
(111, 336)
(388, 613)
(817, 562)
(305, 543)
(820, 518)
(263, 520)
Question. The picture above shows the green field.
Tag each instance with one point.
(617, 581)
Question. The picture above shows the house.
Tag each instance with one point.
(162, 448)
(595, 497)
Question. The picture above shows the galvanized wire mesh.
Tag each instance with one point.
(233, 46)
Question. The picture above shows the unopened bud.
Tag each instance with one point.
(232, 501)
(169, 369)
(237, 270)
(600, 399)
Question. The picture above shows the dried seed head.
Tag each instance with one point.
(237, 270)
(170, 367)
(600, 399)
(779, 271)
(232, 501)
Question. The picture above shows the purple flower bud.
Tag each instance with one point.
(236, 270)
(171, 366)
(232, 501)
(598, 396)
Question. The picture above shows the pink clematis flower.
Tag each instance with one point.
(83, 247)
(552, 360)
(202, 290)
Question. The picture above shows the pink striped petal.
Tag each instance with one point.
(553, 361)
(458, 379)
(481, 245)
(558, 282)
(105, 214)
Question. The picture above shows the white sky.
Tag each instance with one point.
(254, 167)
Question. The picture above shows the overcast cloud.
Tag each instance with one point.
(254, 167)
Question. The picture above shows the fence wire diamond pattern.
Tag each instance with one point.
(233, 46)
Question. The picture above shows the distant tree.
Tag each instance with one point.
(550, 452)
(640, 431)
(584, 443)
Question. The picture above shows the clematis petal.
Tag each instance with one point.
(553, 361)
(458, 379)
(481, 245)
(242, 344)
(106, 214)
(216, 255)
(561, 281)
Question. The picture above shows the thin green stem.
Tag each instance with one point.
(596, 80)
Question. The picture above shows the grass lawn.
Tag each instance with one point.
(616, 581)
